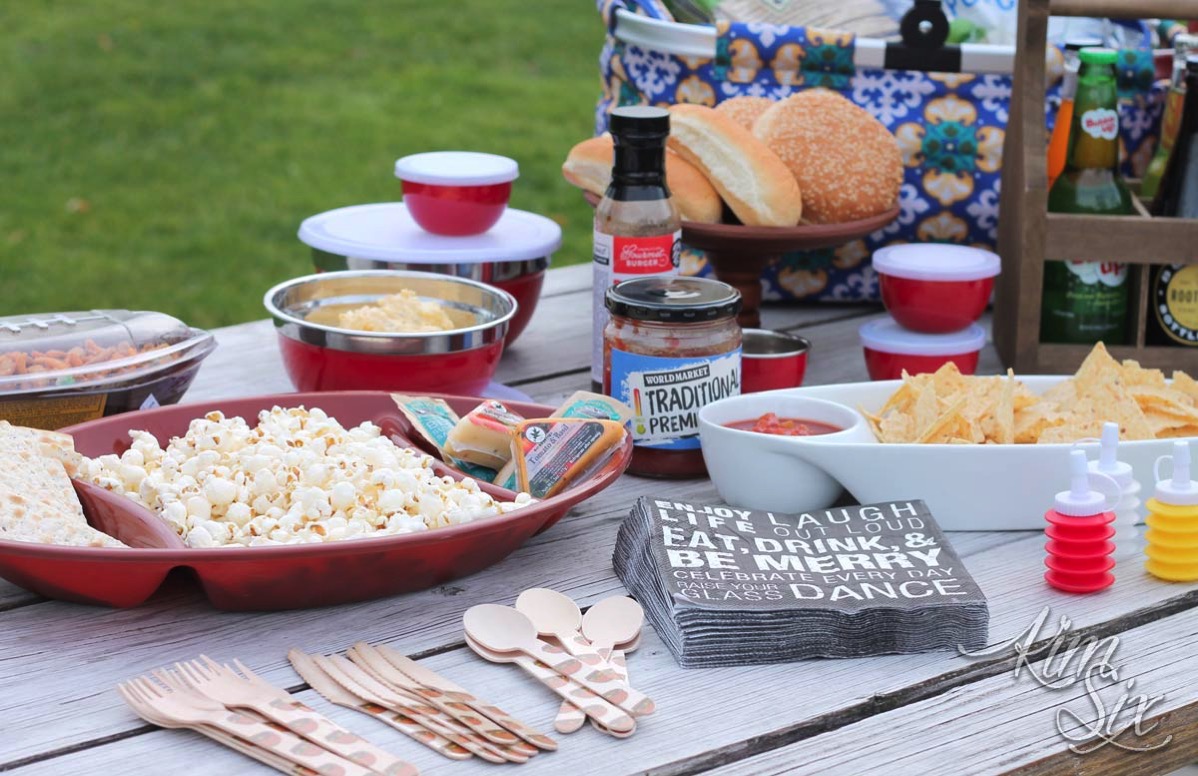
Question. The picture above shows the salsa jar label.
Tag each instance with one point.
(666, 394)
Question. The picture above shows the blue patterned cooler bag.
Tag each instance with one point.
(950, 128)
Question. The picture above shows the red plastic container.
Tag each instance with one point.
(771, 360)
(456, 193)
(513, 255)
(1079, 552)
(890, 349)
(285, 576)
(935, 288)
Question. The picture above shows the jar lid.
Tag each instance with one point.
(673, 299)
(936, 261)
(456, 168)
(385, 231)
(887, 336)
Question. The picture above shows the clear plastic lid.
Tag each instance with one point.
(386, 231)
(56, 351)
(456, 168)
(936, 261)
(887, 336)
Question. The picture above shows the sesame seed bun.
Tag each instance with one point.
(847, 164)
(745, 110)
(749, 176)
(588, 167)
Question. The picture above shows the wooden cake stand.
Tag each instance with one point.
(739, 254)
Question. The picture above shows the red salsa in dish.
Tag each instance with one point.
(769, 423)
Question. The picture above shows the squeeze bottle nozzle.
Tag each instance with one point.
(1178, 490)
(1109, 446)
(1081, 500)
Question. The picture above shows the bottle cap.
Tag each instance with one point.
(1082, 500)
(1178, 490)
(639, 122)
(1108, 462)
(1095, 55)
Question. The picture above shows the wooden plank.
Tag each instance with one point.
(1127, 239)
(567, 280)
(1126, 9)
(686, 735)
(59, 693)
(1002, 725)
(12, 596)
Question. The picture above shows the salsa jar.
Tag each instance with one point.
(671, 346)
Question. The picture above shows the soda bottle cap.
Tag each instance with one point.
(1108, 462)
(640, 122)
(1082, 500)
(1095, 55)
(1178, 490)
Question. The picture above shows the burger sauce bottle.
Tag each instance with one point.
(638, 230)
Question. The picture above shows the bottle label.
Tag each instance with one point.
(1108, 273)
(1101, 123)
(1175, 301)
(666, 394)
(620, 258)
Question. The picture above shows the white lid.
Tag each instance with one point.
(887, 336)
(1081, 500)
(1179, 490)
(1108, 463)
(456, 168)
(936, 261)
(385, 231)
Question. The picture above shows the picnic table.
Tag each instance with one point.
(936, 712)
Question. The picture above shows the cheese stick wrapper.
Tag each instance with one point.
(553, 453)
(484, 436)
(584, 404)
(433, 420)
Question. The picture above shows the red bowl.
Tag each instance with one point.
(890, 366)
(316, 368)
(526, 289)
(935, 307)
(285, 576)
(771, 360)
(456, 211)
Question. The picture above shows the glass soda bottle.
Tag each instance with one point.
(1085, 301)
(638, 230)
(1058, 144)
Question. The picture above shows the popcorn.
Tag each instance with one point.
(298, 477)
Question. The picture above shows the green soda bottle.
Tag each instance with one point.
(1085, 301)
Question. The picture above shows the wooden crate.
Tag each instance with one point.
(1028, 233)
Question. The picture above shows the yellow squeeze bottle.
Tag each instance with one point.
(1173, 521)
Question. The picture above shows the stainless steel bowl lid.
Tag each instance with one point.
(290, 304)
(385, 231)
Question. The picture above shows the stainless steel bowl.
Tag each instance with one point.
(291, 303)
(484, 271)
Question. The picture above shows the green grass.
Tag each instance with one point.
(160, 155)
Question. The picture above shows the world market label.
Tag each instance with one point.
(666, 394)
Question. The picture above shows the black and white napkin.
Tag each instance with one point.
(725, 586)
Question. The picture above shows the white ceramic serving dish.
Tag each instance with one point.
(967, 487)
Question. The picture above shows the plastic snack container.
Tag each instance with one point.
(771, 360)
(890, 349)
(936, 288)
(58, 369)
(456, 193)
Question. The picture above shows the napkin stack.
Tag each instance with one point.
(725, 586)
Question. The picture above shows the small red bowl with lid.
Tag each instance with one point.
(936, 288)
(456, 193)
(890, 349)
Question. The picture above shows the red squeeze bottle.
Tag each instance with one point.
(1079, 534)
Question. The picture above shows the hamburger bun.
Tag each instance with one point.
(749, 176)
(588, 166)
(745, 110)
(847, 164)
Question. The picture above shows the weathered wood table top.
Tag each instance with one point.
(929, 713)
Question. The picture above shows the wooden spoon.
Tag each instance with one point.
(504, 629)
(552, 613)
(613, 621)
(591, 704)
